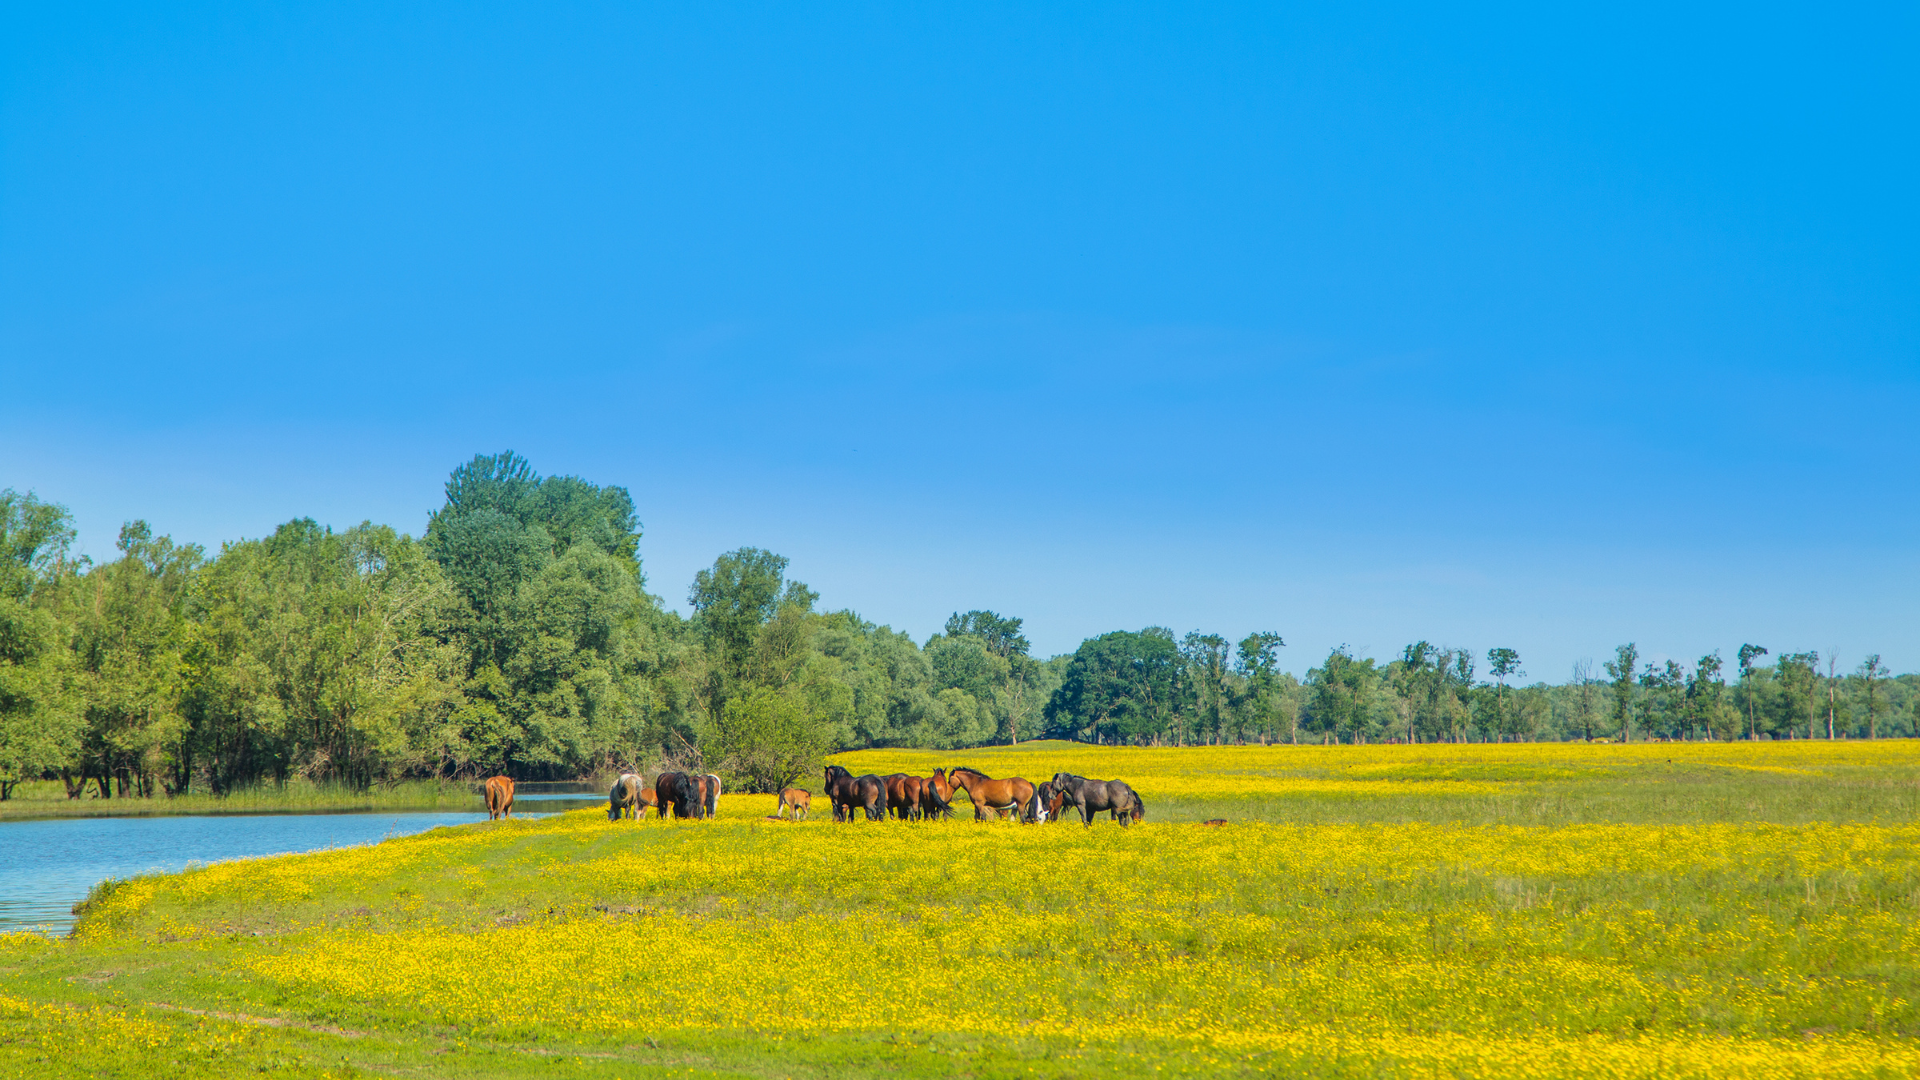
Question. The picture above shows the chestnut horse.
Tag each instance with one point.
(848, 791)
(936, 796)
(904, 794)
(797, 801)
(678, 792)
(499, 797)
(709, 795)
(1012, 794)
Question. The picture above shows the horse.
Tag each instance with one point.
(499, 797)
(1092, 796)
(848, 791)
(627, 798)
(706, 794)
(678, 792)
(1012, 794)
(798, 801)
(1213, 823)
(1046, 803)
(903, 795)
(936, 796)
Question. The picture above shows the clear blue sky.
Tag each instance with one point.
(1550, 326)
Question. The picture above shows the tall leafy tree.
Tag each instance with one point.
(1621, 670)
(1337, 694)
(1747, 655)
(41, 728)
(1703, 695)
(1257, 661)
(1009, 689)
(1798, 675)
(1203, 667)
(1120, 684)
(1871, 673)
(1502, 663)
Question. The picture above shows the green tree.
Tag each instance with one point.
(129, 622)
(1257, 662)
(1748, 654)
(1870, 674)
(1120, 684)
(1584, 692)
(1666, 687)
(41, 727)
(765, 740)
(1621, 668)
(1502, 663)
(1799, 676)
(1003, 677)
(1206, 695)
(1704, 690)
(1337, 694)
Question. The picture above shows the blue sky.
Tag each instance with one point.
(1550, 327)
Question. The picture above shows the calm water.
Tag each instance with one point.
(48, 866)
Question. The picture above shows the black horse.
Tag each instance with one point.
(1092, 796)
(848, 791)
(681, 792)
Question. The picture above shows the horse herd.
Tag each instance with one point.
(912, 798)
(917, 798)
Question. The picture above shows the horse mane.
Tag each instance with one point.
(968, 768)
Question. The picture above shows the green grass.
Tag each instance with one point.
(1746, 946)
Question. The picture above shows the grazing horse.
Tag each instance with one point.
(798, 801)
(627, 798)
(936, 796)
(1012, 794)
(848, 791)
(499, 797)
(1092, 796)
(678, 792)
(712, 795)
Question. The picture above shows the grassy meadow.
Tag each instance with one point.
(1480, 910)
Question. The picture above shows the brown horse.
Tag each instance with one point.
(849, 791)
(936, 796)
(903, 795)
(499, 797)
(1013, 794)
(797, 801)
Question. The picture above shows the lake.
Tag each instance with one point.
(48, 866)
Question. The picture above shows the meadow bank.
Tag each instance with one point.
(1343, 922)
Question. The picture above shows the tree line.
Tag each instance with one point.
(517, 635)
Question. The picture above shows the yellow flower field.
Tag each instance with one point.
(1624, 949)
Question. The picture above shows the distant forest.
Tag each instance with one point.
(517, 635)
